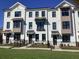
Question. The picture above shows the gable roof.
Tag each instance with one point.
(64, 1)
(16, 4)
(43, 4)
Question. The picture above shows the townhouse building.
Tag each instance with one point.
(58, 25)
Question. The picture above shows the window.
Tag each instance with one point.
(65, 12)
(17, 24)
(37, 14)
(18, 14)
(30, 25)
(78, 13)
(66, 25)
(40, 26)
(37, 37)
(8, 14)
(66, 37)
(54, 25)
(53, 14)
(30, 14)
(43, 37)
(8, 25)
(43, 13)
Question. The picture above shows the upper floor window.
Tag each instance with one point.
(17, 24)
(18, 14)
(43, 37)
(30, 14)
(54, 25)
(8, 25)
(53, 14)
(65, 12)
(43, 13)
(30, 25)
(66, 25)
(37, 14)
(8, 14)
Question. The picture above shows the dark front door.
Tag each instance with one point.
(30, 38)
(7, 38)
(0, 38)
(17, 36)
(54, 39)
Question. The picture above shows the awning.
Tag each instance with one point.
(40, 19)
(18, 18)
(7, 31)
(55, 33)
(30, 32)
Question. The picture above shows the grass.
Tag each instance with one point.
(36, 54)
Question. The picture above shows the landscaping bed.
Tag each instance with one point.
(39, 45)
(70, 48)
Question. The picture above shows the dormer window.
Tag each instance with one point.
(8, 14)
(18, 14)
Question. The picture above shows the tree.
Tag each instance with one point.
(77, 1)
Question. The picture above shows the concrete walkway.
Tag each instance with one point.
(64, 50)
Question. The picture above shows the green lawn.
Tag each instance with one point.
(36, 54)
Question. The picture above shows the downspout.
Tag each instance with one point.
(47, 28)
(25, 27)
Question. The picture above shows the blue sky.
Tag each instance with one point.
(29, 3)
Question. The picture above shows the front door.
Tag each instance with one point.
(54, 39)
(30, 38)
(7, 38)
(17, 36)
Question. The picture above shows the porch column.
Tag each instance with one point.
(4, 39)
(11, 39)
(33, 40)
(22, 36)
(50, 38)
(26, 38)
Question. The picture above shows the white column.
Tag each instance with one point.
(73, 38)
(33, 40)
(50, 38)
(4, 39)
(22, 37)
(11, 40)
(26, 39)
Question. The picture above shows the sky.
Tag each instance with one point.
(4, 4)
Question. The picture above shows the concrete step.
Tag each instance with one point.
(57, 47)
(29, 45)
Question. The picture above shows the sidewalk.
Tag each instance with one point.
(64, 50)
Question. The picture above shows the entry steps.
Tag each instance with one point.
(29, 45)
(57, 47)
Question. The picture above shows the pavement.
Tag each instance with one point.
(64, 50)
